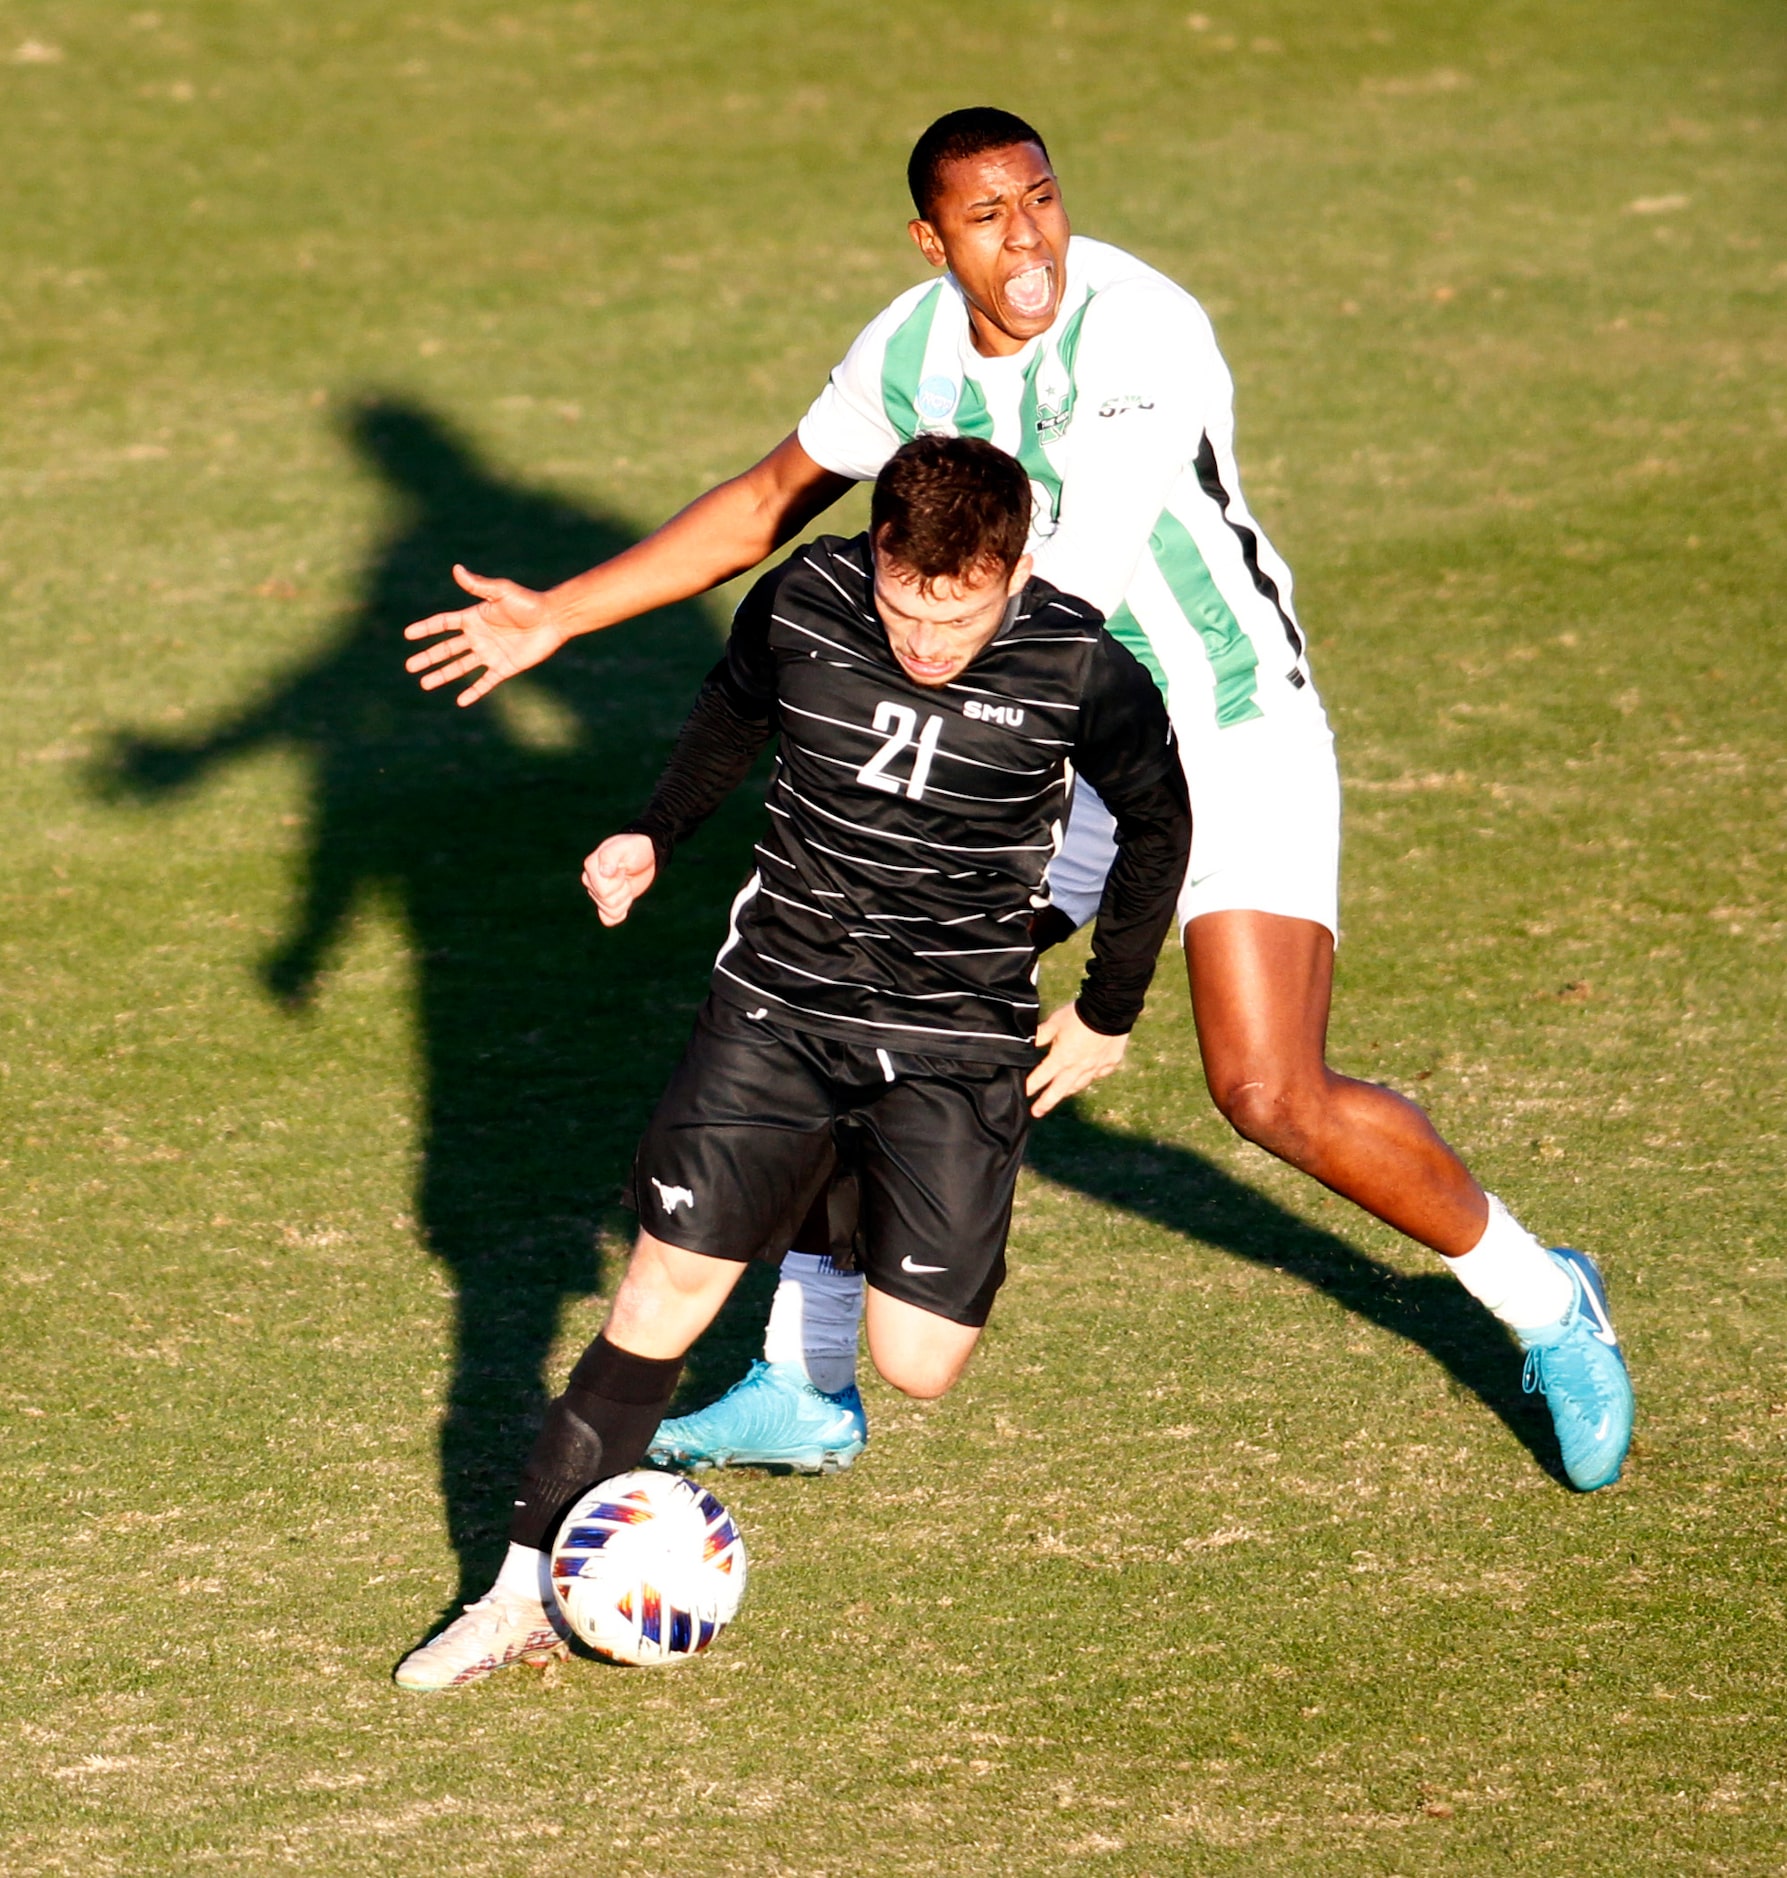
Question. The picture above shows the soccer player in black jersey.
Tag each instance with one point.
(873, 1027)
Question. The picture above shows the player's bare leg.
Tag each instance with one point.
(603, 1422)
(600, 1426)
(1260, 990)
(920, 1353)
(668, 1298)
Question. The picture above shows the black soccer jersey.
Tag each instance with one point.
(911, 826)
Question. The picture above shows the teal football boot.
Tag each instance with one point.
(775, 1417)
(1577, 1366)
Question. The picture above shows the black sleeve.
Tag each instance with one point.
(1126, 751)
(733, 718)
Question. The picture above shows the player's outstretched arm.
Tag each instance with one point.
(617, 873)
(1078, 1056)
(731, 528)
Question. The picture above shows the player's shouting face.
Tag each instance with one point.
(996, 222)
(938, 628)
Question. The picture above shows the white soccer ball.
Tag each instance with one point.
(649, 1568)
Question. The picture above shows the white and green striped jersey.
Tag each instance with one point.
(1123, 414)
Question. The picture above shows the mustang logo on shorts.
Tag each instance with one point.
(670, 1198)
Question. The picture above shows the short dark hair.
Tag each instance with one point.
(959, 134)
(951, 508)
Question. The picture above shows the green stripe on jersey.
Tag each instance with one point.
(1126, 629)
(1228, 648)
(903, 363)
(972, 418)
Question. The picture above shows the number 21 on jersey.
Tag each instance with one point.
(898, 722)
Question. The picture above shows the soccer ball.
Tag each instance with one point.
(649, 1568)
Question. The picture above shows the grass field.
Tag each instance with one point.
(1239, 1550)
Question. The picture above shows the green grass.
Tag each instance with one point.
(1238, 1550)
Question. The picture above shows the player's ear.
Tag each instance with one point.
(927, 241)
(1026, 566)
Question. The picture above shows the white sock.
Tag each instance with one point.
(813, 1320)
(1512, 1275)
(524, 1573)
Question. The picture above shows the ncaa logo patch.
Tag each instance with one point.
(936, 398)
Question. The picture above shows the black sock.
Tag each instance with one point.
(601, 1426)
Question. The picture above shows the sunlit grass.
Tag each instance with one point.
(1237, 1550)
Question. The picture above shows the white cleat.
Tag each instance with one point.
(500, 1629)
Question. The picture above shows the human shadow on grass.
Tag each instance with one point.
(544, 1040)
(1178, 1188)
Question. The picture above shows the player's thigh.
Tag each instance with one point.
(740, 1142)
(1260, 991)
(937, 1167)
(1259, 907)
(917, 1351)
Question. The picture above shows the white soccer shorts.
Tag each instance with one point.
(1265, 824)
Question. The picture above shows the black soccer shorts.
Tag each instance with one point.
(762, 1122)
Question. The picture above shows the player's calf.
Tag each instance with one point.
(601, 1425)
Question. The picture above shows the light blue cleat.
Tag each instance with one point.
(775, 1417)
(1577, 1366)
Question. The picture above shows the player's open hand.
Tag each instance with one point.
(510, 630)
(617, 873)
(1078, 1056)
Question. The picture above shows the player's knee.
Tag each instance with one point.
(918, 1351)
(1274, 1113)
(921, 1374)
(922, 1382)
(666, 1282)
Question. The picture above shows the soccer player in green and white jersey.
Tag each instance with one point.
(1103, 378)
